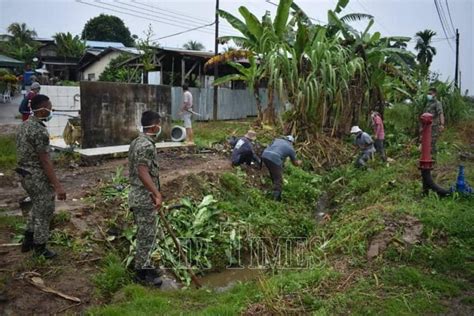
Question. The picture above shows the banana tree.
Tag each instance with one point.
(315, 76)
(259, 37)
(251, 75)
(377, 55)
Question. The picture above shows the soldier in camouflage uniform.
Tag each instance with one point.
(145, 196)
(38, 177)
(436, 108)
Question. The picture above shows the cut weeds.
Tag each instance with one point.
(323, 269)
(411, 276)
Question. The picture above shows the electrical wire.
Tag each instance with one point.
(376, 21)
(445, 20)
(180, 14)
(182, 32)
(434, 39)
(450, 17)
(134, 15)
(314, 19)
(442, 25)
(173, 14)
(148, 14)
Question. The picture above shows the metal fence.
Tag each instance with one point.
(233, 104)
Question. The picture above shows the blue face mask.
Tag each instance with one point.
(429, 97)
(47, 118)
(156, 134)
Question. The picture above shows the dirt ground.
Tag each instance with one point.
(71, 273)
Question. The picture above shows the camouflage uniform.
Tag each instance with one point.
(32, 139)
(436, 108)
(143, 152)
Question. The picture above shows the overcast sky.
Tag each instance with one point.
(393, 17)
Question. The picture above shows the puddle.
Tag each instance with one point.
(226, 279)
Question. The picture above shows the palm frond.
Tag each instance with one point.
(354, 17)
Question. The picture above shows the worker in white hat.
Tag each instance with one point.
(366, 145)
(244, 152)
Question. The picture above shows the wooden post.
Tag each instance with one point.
(216, 69)
(183, 70)
(161, 73)
(456, 73)
(199, 75)
(172, 72)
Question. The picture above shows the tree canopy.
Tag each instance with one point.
(107, 28)
(426, 52)
(69, 45)
(21, 46)
(193, 45)
(21, 32)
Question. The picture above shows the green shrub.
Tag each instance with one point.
(112, 277)
(7, 152)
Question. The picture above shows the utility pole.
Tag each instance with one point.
(216, 70)
(456, 74)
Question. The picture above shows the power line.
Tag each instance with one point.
(182, 32)
(449, 14)
(145, 13)
(131, 14)
(172, 13)
(442, 25)
(445, 20)
(435, 39)
(376, 21)
(164, 14)
(314, 19)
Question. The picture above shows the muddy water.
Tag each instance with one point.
(226, 279)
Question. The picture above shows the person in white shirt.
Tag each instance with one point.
(186, 112)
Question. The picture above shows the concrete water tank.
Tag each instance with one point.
(178, 133)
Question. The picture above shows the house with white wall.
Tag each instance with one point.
(95, 60)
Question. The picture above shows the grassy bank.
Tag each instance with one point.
(7, 152)
(432, 275)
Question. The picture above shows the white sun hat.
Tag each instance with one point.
(355, 130)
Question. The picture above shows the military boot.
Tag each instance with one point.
(277, 195)
(41, 250)
(27, 244)
(148, 277)
(158, 272)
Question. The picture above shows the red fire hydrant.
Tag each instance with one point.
(426, 163)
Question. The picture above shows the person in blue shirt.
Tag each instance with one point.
(243, 151)
(365, 144)
(274, 157)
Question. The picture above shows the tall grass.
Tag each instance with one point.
(7, 152)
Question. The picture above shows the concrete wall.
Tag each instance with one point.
(233, 104)
(65, 99)
(111, 112)
(99, 66)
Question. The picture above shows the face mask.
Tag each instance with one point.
(429, 97)
(47, 118)
(156, 134)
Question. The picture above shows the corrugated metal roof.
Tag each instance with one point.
(8, 61)
(131, 50)
(197, 53)
(99, 44)
(94, 51)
